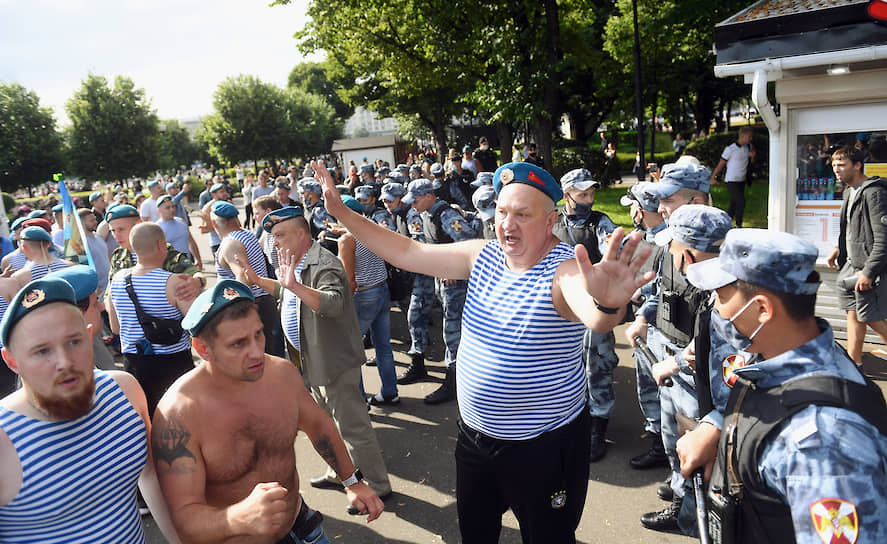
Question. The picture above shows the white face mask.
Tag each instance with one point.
(484, 147)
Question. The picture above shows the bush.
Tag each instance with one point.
(709, 150)
(568, 158)
(8, 202)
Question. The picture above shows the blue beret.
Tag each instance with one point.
(579, 179)
(352, 203)
(82, 278)
(94, 196)
(484, 199)
(278, 216)
(170, 185)
(528, 174)
(418, 187)
(770, 259)
(216, 187)
(58, 208)
(17, 223)
(390, 191)
(163, 199)
(697, 226)
(680, 176)
(363, 191)
(483, 178)
(35, 234)
(224, 209)
(120, 212)
(212, 301)
(37, 214)
(34, 295)
(639, 193)
(282, 185)
(153, 183)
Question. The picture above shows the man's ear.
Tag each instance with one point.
(200, 346)
(10, 360)
(765, 307)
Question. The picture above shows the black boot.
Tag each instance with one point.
(664, 520)
(447, 391)
(415, 372)
(598, 438)
(664, 490)
(654, 457)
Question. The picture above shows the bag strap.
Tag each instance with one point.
(141, 315)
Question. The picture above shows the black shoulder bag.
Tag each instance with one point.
(162, 331)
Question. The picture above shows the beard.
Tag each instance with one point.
(72, 406)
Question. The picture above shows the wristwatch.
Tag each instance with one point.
(353, 479)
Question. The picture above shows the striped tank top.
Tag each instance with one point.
(79, 476)
(289, 312)
(17, 259)
(369, 268)
(38, 271)
(4, 305)
(151, 291)
(519, 367)
(270, 251)
(254, 255)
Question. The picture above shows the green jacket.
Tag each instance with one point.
(175, 262)
(330, 337)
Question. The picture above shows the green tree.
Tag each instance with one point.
(176, 148)
(31, 149)
(313, 77)
(114, 132)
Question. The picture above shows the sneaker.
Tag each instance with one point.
(379, 400)
(370, 362)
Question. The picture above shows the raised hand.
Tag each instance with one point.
(332, 200)
(613, 281)
(287, 270)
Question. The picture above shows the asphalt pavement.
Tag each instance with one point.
(418, 443)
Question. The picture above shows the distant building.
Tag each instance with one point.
(191, 125)
(366, 123)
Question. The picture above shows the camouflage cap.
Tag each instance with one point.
(483, 178)
(639, 193)
(390, 191)
(579, 179)
(437, 169)
(363, 192)
(680, 176)
(770, 259)
(696, 226)
(309, 185)
(484, 199)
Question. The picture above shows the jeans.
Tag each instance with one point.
(373, 308)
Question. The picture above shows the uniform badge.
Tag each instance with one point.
(34, 297)
(384, 223)
(559, 500)
(416, 227)
(229, 293)
(730, 364)
(456, 226)
(835, 521)
(506, 176)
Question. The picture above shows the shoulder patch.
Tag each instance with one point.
(835, 521)
(456, 225)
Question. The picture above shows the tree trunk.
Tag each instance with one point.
(545, 123)
(505, 132)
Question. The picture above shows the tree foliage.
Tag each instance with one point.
(313, 77)
(255, 120)
(31, 149)
(114, 132)
(177, 151)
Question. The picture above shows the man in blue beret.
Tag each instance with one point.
(178, 194)
(681, 183)
(218, 193)
(529, 300)
(577, 224)
(35, 244)
(319, 321)
(282, 190)
(241, 246)
(14, 260)
(240, 410)
(91, 426)
(99, 205)
(178, 235)
(443, 224)
(809, 430)
(148, 209)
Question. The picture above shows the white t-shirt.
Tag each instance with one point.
(470, 165)
(149, 210)
(737, 162)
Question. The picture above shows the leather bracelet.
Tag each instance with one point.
(605, 309)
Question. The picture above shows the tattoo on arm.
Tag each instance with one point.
(324, 447)
(169, 440)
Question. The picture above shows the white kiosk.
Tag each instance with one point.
(827, 60)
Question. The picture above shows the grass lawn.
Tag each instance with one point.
(607, 201)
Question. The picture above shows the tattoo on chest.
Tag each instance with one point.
(170, 441)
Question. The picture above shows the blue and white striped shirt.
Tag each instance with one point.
(254, 255)
(519, 367)
(17, 259)
(78, 477)
(151, 291)
(38, 271)
(289, 311)
(369, 268)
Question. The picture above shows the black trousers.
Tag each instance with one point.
(156, 372)
(543, 480)
(271, 324)
(737, 201)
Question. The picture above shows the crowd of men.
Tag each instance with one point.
(741, 386)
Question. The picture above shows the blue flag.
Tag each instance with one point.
(76, 247)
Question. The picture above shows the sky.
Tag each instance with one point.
(178, 51)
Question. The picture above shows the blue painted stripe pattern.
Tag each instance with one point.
(38, 271)
(519, 367)
(289, 312)
(151, 290)
(79, 476)
(254, 255)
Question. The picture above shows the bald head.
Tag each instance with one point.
(145, 237)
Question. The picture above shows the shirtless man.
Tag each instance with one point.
(224, 432)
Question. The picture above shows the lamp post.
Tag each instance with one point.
(638, 93)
